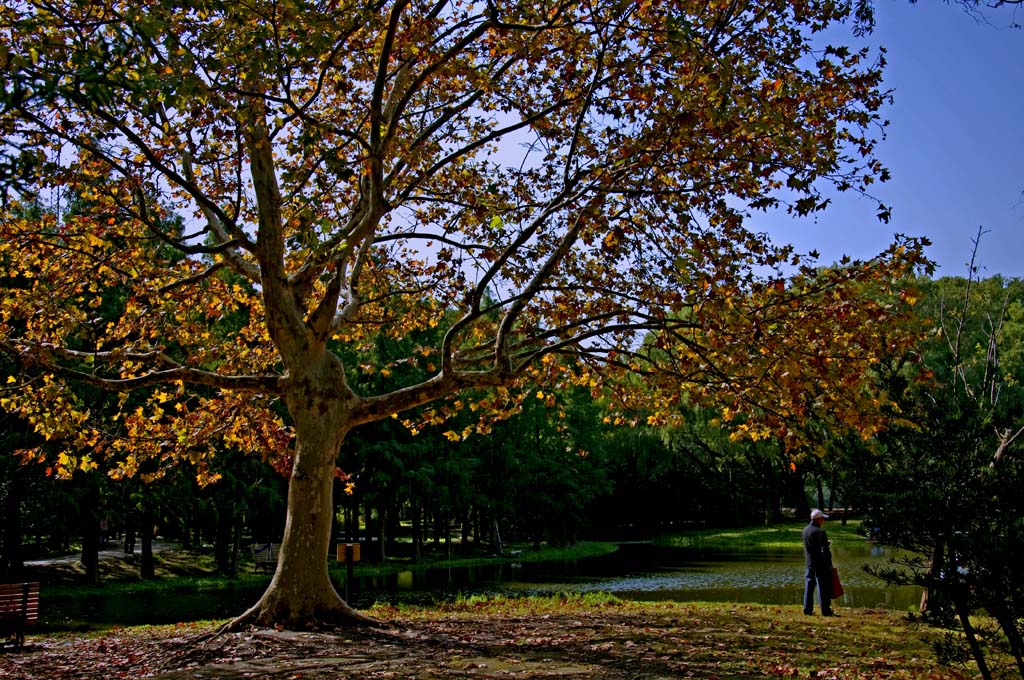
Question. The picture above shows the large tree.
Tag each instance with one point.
(537, 177)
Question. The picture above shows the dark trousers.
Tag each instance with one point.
(823, 579)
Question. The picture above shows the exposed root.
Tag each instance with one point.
(336, 614)
(241, 621)
(351, 616)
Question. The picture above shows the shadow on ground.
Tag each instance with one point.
(613, 642)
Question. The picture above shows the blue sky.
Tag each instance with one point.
(955, 144)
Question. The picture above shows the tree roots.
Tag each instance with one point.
(327, 616)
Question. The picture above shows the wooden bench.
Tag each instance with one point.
(19, 607)
(264, 556)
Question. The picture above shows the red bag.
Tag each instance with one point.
(837, 587)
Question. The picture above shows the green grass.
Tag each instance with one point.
(724, 639)
(784, 536)
(592, 635)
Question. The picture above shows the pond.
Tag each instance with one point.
(637, 571)
(644, 571)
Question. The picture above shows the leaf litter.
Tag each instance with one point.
(546, 638)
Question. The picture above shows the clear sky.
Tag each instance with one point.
(955, 144)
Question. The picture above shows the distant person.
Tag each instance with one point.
(818, 559)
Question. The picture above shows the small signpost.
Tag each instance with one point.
(349, 554)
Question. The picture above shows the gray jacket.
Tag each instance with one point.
(817, 553)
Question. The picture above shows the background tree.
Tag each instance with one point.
(946, 484)
(538, 178)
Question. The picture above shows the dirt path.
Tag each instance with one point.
(110, 553)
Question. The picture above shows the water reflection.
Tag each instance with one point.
(643, 571)
(639, 571)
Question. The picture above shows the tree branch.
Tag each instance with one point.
(46, 355)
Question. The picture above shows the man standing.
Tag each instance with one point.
(818, 559)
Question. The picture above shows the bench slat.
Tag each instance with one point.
(19, 607)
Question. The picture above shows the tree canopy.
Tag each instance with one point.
(553, 190)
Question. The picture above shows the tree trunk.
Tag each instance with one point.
(198, 515)
(337, 523)
(394, 528)
(382, 530)
(183, 522)
(371, 544)
(448, 535)
(147, 566)
(771, 496)
(464, 516)
(964, 614)
(796, 480)
(352, 523)
(301, 595)
(417, 532)
(223, 540)
(129, 535)
(11, 563)
(236, 544)
(935, 562)
(91, 532)
(1008, 622)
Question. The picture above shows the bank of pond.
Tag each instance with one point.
(760, 566)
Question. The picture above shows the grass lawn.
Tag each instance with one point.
(592, 637)
(784, 536)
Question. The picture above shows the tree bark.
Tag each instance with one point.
(935, 562)
(464, 516)
(417, 532)
(91, 532)
(224, 540)
(11, 563)
(146, 526)
(382, 530)
(147, 565)
(964, 614)
(356, 533)
(1008, 622)
(301, 595)
(129, 535)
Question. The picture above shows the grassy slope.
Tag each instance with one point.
(778, 536)
(735, 640)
